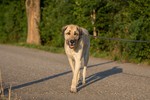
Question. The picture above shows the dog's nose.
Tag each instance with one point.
(72, 41)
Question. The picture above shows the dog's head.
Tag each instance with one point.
(72, 34)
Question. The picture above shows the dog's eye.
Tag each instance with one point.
(75, 33)
(68, 33)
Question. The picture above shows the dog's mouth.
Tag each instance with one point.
(72, 44)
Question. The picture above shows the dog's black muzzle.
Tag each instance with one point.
(72, 43)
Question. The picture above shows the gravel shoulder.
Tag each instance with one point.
(40, 75)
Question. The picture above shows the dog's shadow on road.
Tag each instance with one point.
(99, 76)
(90, 79)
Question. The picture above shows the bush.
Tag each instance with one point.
(13, 21)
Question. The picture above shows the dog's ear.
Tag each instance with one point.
(63, 29)
(80, 30)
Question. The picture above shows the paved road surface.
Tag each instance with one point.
(40, 75)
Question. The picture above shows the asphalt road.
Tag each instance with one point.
(39, 75)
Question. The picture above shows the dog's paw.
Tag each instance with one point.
(83, 82)
(73, 90)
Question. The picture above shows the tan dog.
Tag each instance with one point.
(76, 46)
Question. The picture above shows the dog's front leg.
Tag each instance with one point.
(72, 64)
(75, 76)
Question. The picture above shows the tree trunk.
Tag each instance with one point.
(33, 19)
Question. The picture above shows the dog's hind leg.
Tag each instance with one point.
(86, 58)
(84, 75)
(78, 76)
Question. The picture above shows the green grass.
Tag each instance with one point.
(60, 50)
(45, 48)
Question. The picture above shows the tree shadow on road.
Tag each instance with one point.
(64, 73)
(99, 76)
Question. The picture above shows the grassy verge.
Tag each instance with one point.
(45, 48)
(99, 54)
(61, 50)
(119, 57)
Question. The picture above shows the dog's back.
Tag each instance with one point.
(86, 39)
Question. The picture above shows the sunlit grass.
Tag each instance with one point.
(45, 48)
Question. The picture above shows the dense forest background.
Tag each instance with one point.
(127, 19)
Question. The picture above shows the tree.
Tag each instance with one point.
(33, 19)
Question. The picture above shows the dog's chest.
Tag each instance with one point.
(71, 52)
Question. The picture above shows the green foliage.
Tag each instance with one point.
(128, 19)
(13, 21)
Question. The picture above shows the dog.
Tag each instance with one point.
(76, 44)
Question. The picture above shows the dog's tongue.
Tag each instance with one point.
(71, 46)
